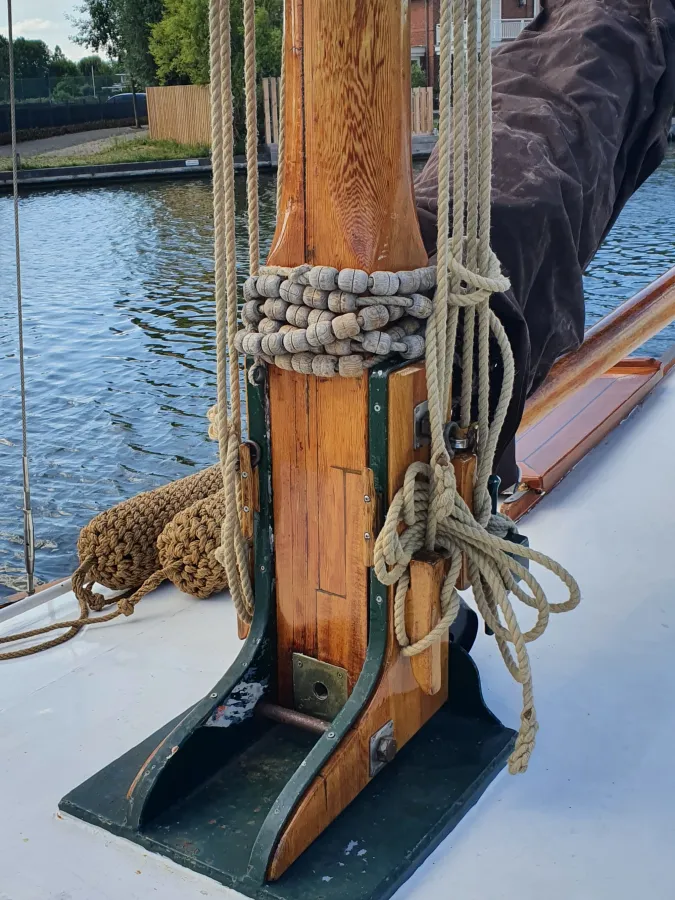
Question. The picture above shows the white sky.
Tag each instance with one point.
(45, 20)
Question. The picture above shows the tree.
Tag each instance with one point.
(417, 76)
(101, 67)
(180, 45)
(179, 42)
(60, 66)
(121, 29)
(31, 58)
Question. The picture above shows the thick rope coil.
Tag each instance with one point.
(427, 512)
(133, 547)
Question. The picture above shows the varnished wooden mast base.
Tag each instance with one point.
(399, 698)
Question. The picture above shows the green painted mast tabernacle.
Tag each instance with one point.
(224, 789)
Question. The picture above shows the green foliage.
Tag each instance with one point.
(180, 45)
(179, 42)
(60, 66)
(418, 77)
(102, 69)
(119, 151)
(31, 58)
(121, 29)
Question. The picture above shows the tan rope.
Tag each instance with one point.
(429, 508)
(233, 553)
(428, 513)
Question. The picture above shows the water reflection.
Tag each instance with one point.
(119, 324)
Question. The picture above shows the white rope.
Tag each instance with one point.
(233, 553)
(428, 512)
(28, 533)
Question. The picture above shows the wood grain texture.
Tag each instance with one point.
(605, 344)
(360, 207)
(398, 696)
(249, 490)
(288, 244)
(319, 441)
(549, 449)
(180, 113)
(464, 465)
(423, 610)
(348, 171)
(347, 200)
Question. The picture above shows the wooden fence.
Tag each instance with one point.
(181, 113)
(422, 110)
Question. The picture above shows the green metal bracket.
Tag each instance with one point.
(217, 799)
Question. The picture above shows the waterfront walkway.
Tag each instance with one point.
(86, 142)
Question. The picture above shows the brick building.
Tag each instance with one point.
(509, 17)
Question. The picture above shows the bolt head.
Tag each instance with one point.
(385, 750)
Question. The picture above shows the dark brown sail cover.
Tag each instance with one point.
(582, 103)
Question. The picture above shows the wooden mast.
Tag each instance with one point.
(347, 196)
(347, 200)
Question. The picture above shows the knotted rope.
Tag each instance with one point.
(428, 512)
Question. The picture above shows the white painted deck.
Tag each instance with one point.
(594, 817)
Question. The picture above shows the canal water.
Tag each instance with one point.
(119, 330)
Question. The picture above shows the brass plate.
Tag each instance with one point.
(319, 689)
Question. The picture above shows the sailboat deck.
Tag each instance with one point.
(592, 818)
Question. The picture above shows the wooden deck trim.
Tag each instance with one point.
(602, 411)
(605, 345)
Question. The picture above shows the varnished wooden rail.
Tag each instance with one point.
(605, 344)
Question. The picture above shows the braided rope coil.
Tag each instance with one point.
(170, 533)
(318, 320)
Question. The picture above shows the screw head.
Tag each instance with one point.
(244, 474)
(262, 568)
(214, 695)
(331, 735)
(246, 509)
(366, 536)
(366, 499)
(378, 599)
(385, 750)
(377, 407)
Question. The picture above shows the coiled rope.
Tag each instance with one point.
(427, 513)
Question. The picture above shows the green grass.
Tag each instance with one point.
(141, 149)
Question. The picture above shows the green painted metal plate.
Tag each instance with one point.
(368, 852)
